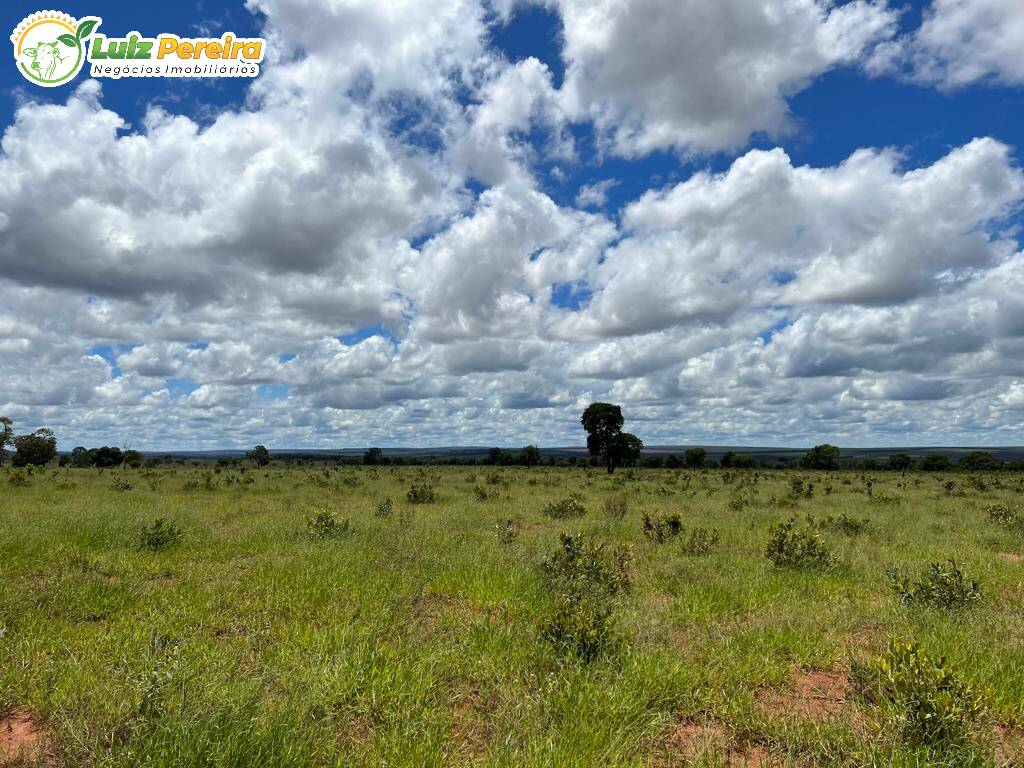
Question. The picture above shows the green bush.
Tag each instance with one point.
(790, 548)
(570, 506)
(944, 586)
(585, 580)
(922, 699)
(324, 524)
(1005, 515)
(661, 529)
(701, 541)
(120, 484)
(158, 535)
(17, 478)
(385, 508)
(421, 493)
(507, 530)
(841, 523)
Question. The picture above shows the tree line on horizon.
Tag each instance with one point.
(609, 448)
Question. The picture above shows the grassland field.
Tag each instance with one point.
(416, 638)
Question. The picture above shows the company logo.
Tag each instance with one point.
(50, 49)
(49, 46)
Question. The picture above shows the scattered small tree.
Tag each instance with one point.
(38, 449)
(821, 457)
(259, 456)
(373, 457)
(695, 458)
(979, 461)
(935, 462)
(530, 456)
(900, 462)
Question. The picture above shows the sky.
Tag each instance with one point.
(760, 222)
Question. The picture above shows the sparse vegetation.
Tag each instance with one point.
(459, 633)
(944, 585)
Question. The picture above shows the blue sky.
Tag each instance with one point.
(454, 225)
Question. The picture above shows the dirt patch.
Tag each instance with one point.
(22, 739)
(691, 740)
(1009, 746)
(471, 730)
(815, 695)
(436, 613)
(1011, 557)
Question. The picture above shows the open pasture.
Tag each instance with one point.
(291, 616)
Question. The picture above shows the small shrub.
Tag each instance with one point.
(789, 548)
(1004, 515)
(421, 493)
(17, 478)
(482, 494)
(585, 580)
(507, 530)
(616, 507)
(923, 700)
(661, 529)
(886, 498)
(841, 523)
(385, 508)
(159, 535)
(570, 506)
(701, 541)
(944, 586)
(324, 524)
(120, 484)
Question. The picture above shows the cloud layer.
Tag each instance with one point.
(309, 270)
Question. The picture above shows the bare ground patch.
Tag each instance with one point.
(22, 738)
(815, 695)
(691, 740)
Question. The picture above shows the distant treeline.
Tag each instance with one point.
(608, 446)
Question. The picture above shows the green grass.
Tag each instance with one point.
(416, 639)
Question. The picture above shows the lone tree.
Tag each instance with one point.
(900, 462)
(6, 436)
(37, 449)
(695, 458)
(821, 457)
(605, 438)
(259, 456)
(372, 457)
(529, 456)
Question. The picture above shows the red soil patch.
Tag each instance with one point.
(816, 695)
(1011, 557)
(21, 738)
(690, 740)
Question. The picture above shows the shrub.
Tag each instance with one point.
(570, 506)
(944, 586)
(120, 484)
(789, 548)
(616, 507)
(507, 530)
(159, 535)
(421, 493)
(661, 529)
(585, 580)
(385, 508)
(922, 698)
(482, 494)
(842, 523)
(700, 541)
(17, 478)
(324, 524)
(1004, 515)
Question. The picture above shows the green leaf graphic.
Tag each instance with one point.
(85, 28)
(69, 40)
